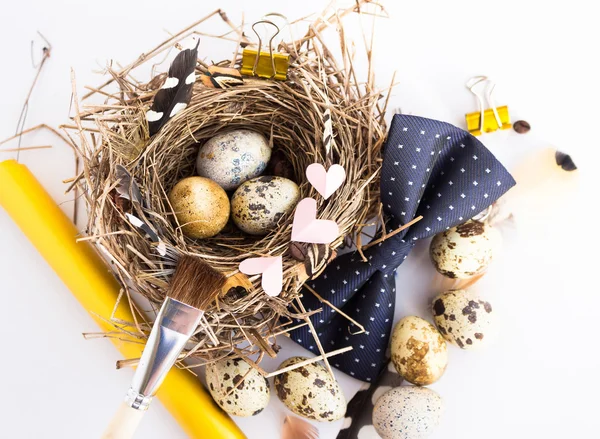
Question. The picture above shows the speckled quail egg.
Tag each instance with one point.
(310, 391)
(237, 387)
(233, 157)
(419, 352)
(258, 204)
(465, 250)
(463, 318)
(407, 412)
(201, 207)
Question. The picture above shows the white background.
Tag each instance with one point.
(538, 380)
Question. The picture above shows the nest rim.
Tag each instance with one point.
(313, 85)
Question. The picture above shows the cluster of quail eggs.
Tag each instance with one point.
(463, 252)
(230, 183)
(308, 391)
(419, 351)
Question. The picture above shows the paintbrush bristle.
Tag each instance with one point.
(195, 283)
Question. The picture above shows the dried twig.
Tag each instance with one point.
(395, 232)
(309, 361)
(316, 338)
(26, 148)
(337, 310)
(46, 50)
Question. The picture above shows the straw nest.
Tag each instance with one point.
(289, 113)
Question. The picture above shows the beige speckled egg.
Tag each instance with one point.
(310, 391)
(464, 319)
(407, 412)
(419, 352)
(233, 157)
(258, 204)
(249, 395)
(200, 205)
(465, 250)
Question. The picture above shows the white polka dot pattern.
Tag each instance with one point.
(430, 168)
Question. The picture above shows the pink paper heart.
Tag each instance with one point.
(325, 182)
(271, 269)
(306, 228)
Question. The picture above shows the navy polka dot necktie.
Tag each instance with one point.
(430, 168)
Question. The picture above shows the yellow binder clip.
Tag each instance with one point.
(270, 65)
(490, 119)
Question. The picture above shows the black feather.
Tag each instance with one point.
(176, 92)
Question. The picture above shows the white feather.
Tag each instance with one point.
(543, 198)
(296, 428)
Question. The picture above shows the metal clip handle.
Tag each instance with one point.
(483, 88)
(260, 46)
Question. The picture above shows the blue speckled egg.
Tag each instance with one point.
(234, 157)
(407, 412)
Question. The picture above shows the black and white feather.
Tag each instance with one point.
(358, 422)
(328, 139)
(317, 257)
(161, 248)
(127, 187)
(327, 130)
(176, 92)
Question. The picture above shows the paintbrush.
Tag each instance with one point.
(193, 287)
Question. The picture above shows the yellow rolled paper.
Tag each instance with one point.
(92, 283)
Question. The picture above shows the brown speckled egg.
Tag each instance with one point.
(233, 157)
(419, 352)
(258, 204)
(464, 319)
(237, 387)
(200, 205)
(407, 412)
(465, 250)
(310, 391)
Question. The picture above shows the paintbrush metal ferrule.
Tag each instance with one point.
(174, 325)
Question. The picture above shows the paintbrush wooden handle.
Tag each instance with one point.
(124, 423)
